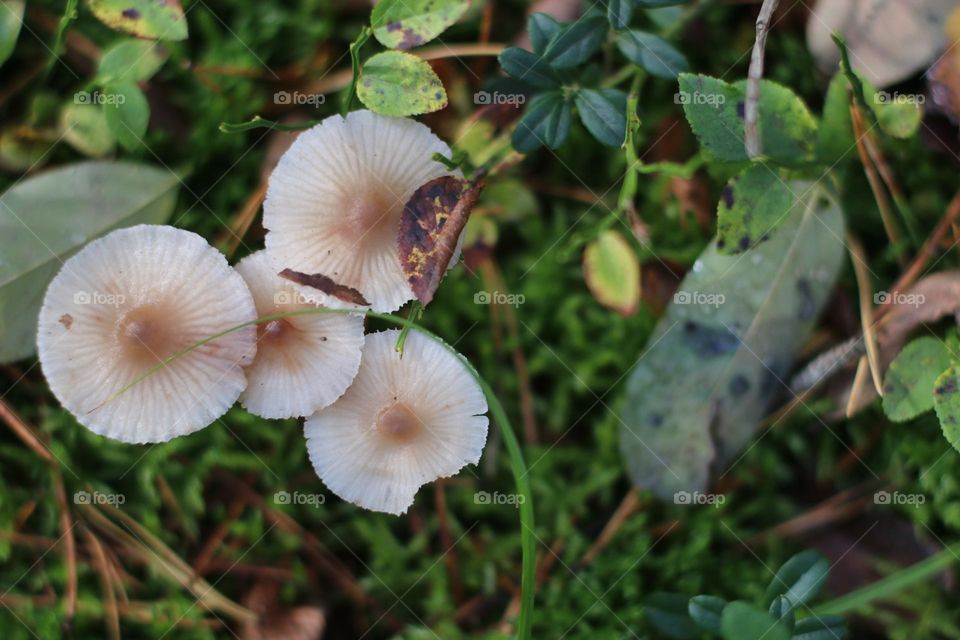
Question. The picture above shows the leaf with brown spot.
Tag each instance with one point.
(325, 285)
(152, 19)
(430, 227)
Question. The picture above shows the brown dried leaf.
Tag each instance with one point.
(430, 227)
(325, 285)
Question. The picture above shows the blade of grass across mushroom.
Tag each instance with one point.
(256, 122)
(514, 452)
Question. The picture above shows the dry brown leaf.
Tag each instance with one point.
(325, 285)
(430, 227)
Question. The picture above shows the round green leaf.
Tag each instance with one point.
(404, 24)
(612, 272)
(741, 621)
(84, 127)
(46, 217)
(399, 84)
(604, 114)
(130, 61)
(153, 19)
(127, 113)
(653, 53)
(11, 18)
(715, 111)
(909, 382)
(668, 613)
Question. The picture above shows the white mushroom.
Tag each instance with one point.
(303, 362)
(122, 305)
(334, 202)
(404, 422)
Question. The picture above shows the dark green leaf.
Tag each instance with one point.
(742, 621)
(706, 381)
(751, 206)
(668, 613)
(604, 114)
(619, 13)
(529, 67)
(45, 218)
(648, 4)
(800, 578)
(143, 18)
(575, 42)
(546, 122)
(653, 53)
(11, 18)
(705, 611)
(127, 113)
(910, 378)
(393, 83)
(781, 609)
(404, 24)
(946, 401)
(541, 27)
(715, 111)
(820, 628)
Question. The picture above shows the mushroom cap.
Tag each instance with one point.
(303, 362)
(334, 202)
(124, 303)
(405, 421)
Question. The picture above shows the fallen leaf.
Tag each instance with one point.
(717, 358)
(430, 227)
(325, 285)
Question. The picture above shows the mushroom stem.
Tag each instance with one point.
(518, 466)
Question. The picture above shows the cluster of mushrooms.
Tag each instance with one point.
(380, 423)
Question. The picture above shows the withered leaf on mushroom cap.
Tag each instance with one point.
(430, 227)
(326, 285)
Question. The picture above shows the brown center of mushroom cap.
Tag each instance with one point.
(369, 212)
(398, 423)
(275, 330)
(145, 335)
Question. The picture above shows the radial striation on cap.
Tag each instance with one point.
(304, 362)
(405, 421)
(335, 199)
(128, 301)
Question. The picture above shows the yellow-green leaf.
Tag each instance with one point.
(153, 19)
(404, 24)
(393, 83)
(612, 272)
(84, 127)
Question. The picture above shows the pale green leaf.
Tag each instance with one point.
(11, 19)
(127, 113)
(910, 378)
(130, 60)
(84, 127)
(46, 218)
(717, 357)
(393, 83)
(152, 19)
(612, 272)
(742, 621)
